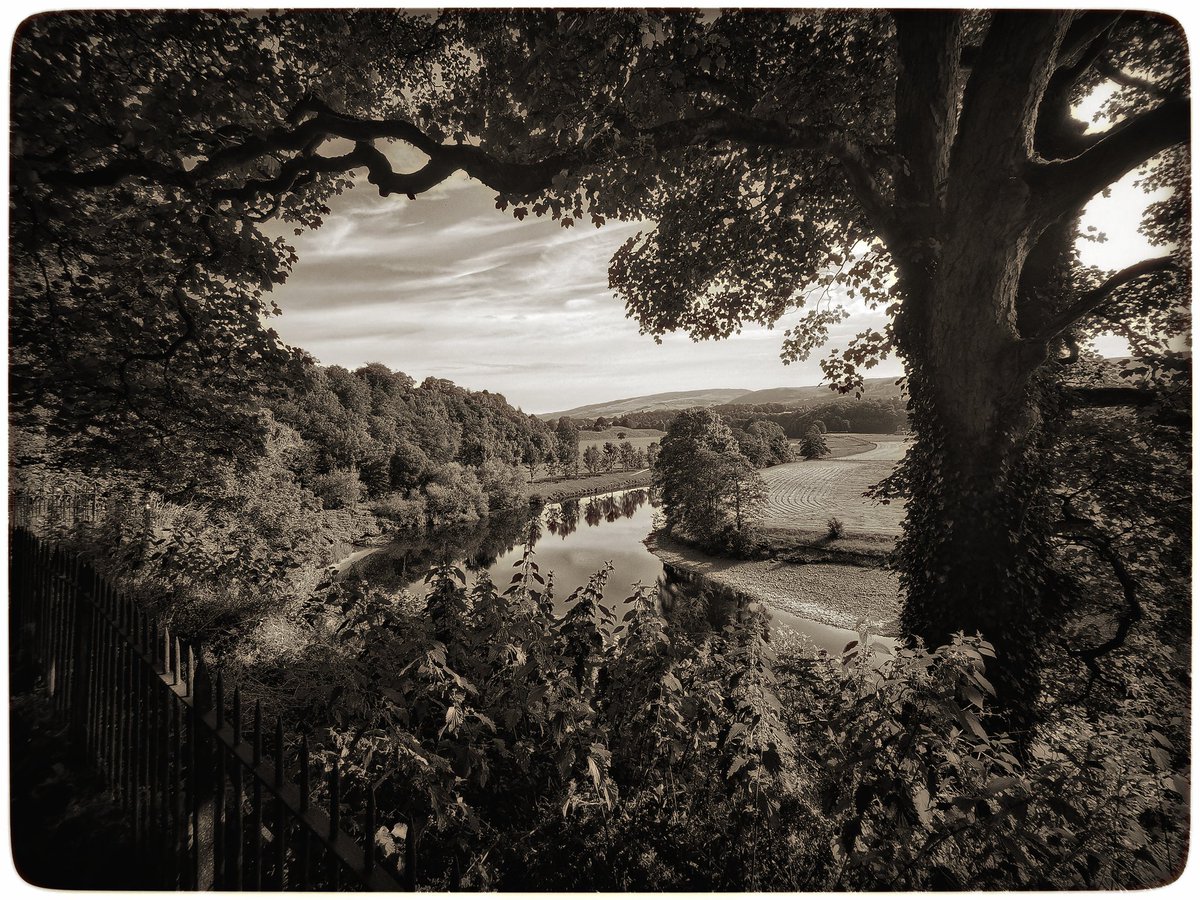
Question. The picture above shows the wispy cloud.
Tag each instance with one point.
(449, 286)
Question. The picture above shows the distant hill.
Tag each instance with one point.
(668, 400)
(873, 389)
(811, 395)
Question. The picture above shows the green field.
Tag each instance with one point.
(805, 494)
(842, 444)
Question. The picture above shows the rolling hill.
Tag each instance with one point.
(668, 400)
(810, 395)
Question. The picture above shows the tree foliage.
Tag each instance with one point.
(710, 491)
(813, 446)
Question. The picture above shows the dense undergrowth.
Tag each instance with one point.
(611, 747)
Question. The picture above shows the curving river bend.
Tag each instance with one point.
(572, 540)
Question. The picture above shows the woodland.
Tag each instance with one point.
(1032, 729)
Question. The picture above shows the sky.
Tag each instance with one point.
(447, 285)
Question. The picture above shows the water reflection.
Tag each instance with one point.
(617, 526)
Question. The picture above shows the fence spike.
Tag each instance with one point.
(180, 661)
(237, 716)
(192, 665)
(278, 752)
(220, 698)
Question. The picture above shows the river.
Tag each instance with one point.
(572, 540)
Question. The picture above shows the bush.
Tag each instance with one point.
(502, 483)
(454, 495)
(339, 489)
(403, 511)
(836, 528)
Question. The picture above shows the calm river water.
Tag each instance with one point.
(573, 540)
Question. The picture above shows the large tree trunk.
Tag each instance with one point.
(974, 553)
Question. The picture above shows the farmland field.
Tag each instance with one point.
(805, 495)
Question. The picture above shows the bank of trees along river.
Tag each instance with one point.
(926, 163)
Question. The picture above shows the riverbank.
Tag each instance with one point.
(556, 490)
(838, 595)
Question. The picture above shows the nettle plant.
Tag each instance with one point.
(590, 745)
(921, 795)
(515, 742)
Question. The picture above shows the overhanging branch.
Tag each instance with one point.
(1064, 186)
(312, 122)
(1092, 301)
(1085, 532)
(1126, 79)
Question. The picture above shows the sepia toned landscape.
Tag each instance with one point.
(600, 450)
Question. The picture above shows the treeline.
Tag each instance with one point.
(621, 456)
(216, 547)
(862, 416)
(425, 454)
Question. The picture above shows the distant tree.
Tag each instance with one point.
(813, 446)
(566, 446)
(593, 459)
(611, 456)
(537, 450)
(844, 425)
(773, 438)
(711, 492)
(627, 455)
(652, 451)
(752, 446)
(410, 466)
(620, 435)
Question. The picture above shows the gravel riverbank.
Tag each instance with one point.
(837, 595)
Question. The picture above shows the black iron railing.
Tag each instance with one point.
(211, 805)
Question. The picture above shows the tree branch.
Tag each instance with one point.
(1092, 301)
(1079, 45)
(1066, 185)
(1104, 397)
(1058, 133)
(304, 135)
(1125, 79)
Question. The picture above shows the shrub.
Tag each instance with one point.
(836, 528)
(338, 489)
(404, 511)
(502, 483)
(454, 495)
